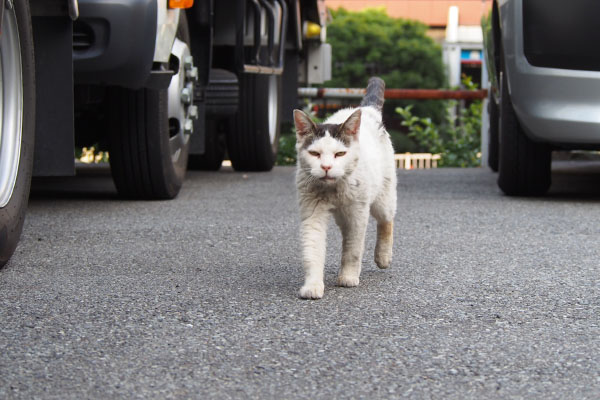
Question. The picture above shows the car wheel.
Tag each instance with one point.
(253, 141)
(17, 122)
(524, 166)
(150, 131)
(493, 144)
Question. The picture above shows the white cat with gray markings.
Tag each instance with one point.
(346, 169)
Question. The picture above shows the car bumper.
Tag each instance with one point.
(554, 105)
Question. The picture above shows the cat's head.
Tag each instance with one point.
(327, 152)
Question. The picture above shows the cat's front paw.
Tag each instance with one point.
(312, 290)
(348, 281)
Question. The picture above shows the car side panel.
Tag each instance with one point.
(553, 105)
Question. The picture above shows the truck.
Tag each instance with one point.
(162, 85)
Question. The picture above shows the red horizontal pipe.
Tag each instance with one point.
(410, 94)
(435, 94)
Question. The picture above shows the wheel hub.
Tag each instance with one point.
(273, 108)
(11, 105)
(181, 98)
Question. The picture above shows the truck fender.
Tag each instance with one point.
(166, 29)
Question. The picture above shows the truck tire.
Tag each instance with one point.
(524, 167)
(149, 140)
(253, 141)
(145, 161)
(493, 133)
(17, 123)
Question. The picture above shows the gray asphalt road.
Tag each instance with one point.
(488, 296)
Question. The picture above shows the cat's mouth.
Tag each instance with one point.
(327, 178)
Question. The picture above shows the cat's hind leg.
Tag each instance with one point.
(353, 224)
(383, 210)
(385, 240)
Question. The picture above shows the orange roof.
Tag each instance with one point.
(430, 12)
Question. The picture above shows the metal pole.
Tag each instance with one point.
(406, 94)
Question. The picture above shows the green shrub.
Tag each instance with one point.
(458, 141)
(369, 43)
(286, 155)
(402, 143)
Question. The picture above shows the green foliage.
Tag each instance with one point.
(422, 129)
(369, 43)
(401, 142)
(458, 140)
(286, 154)
(91, 155)
(488, 48)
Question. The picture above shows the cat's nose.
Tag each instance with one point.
(325, 167)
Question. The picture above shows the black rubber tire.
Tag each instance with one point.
(214, 147)
(249, 144)
(12, 216)
(493, 144)
(524, 167)
(140, 156)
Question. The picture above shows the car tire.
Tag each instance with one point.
(149, 141)
(253, 141)
(493, 144)
(524, 166)
(17, 126)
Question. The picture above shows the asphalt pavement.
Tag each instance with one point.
(487, 297)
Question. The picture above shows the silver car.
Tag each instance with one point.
(544, 68)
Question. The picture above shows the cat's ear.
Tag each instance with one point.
(351, 126)
(304, 124)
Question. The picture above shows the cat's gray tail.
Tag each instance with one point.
(375, 93)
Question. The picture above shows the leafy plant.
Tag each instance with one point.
(401, 142)
(286, 155)
(371, 43)
(458, 141)
(422, 129)
(91, 155)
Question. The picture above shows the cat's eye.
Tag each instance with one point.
(340, 154)
(314, 153)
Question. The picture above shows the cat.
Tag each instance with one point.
(346, 169)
